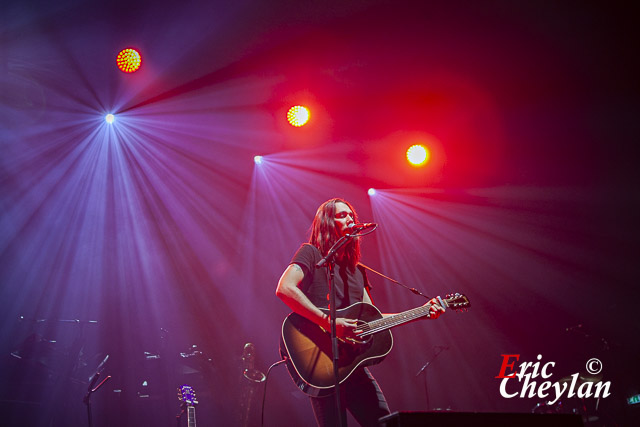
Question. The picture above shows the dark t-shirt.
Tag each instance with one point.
(315, 287)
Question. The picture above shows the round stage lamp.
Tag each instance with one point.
(418, 155)
(298, 115)
(128, 60)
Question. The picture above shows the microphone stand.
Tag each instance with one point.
(90, 390)
(439, 349)
(330, 262)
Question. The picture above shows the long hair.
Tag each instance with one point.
(324, 233)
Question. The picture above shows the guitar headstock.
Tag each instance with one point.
(187, 395)
(457, 301)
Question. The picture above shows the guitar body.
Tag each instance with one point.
(308, 347)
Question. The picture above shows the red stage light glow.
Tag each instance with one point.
(418, 155)
(298, 115)
(129, 60)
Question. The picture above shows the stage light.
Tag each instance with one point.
(257, 160)
(298, 115)
(417, 155)
(128, 60)
(109, 118)
(371, 192)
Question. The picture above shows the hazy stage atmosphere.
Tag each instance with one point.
(154, 243)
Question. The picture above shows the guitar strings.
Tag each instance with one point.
(382, 324)
(370, 328)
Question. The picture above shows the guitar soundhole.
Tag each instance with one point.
(364, 340)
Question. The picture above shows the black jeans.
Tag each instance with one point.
(360, 394)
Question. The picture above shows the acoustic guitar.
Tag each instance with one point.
(307, 346)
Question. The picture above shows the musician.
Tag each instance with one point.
(304, 288)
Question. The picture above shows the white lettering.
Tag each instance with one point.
(503, 389)
(574, 378)
(585, 393)
(544, 386)
(523, 369)
(531, 386)
(600, 386)
(559, 392)
(544, 369)
(536, 366)
(528, 372)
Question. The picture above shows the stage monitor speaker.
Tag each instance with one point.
(494, 419)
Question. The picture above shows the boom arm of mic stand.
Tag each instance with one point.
(439, 349)
(107, 378)
(87, 398)
(423, 367)
(337, 245)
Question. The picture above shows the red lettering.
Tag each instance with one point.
(505, 365)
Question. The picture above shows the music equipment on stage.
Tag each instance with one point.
(307, 346)
(473, 419)
(252, 379)
(187, 396)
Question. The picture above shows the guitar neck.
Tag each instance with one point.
(397, 319)
(191, 416)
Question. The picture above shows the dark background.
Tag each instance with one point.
(141, 239)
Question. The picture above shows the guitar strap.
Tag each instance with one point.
(367, 284)
(414, 290)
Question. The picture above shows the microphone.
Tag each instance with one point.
(356, 228)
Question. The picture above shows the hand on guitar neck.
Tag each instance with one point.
(435, 309)
(347, 329)
(309, 348)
